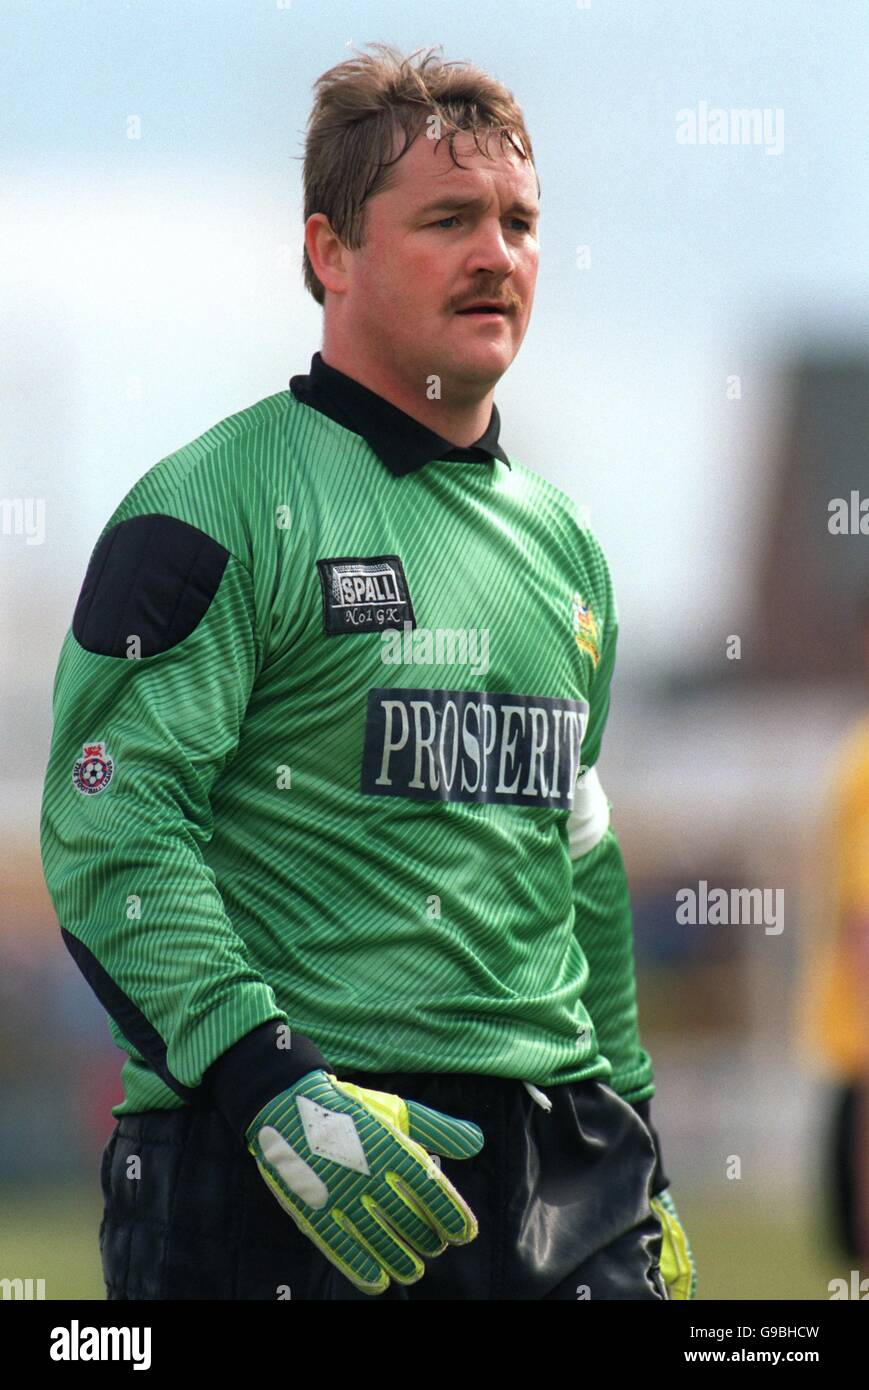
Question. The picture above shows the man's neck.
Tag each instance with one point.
(462, 422)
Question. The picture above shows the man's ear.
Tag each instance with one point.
(327, 253)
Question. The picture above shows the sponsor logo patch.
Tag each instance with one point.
(92, 772)
(366, 594)
(469, 745)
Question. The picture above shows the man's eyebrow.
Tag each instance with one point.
(458, 203)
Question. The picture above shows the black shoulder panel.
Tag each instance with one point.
(153, 576)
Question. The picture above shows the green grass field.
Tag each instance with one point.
(744, 1253)
(51, 1233)
(760, 1252)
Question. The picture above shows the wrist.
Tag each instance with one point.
(257, 1068)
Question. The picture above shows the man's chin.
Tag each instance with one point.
(484, 363)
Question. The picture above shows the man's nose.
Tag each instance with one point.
(490, 251)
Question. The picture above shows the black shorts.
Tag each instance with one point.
(848, 1168)
(561, 1198)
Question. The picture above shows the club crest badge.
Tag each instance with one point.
(585, 628)
(92, 772)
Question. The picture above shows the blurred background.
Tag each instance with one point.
(696, 374)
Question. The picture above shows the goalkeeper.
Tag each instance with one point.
(321, 821)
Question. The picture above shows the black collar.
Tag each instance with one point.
(400, 441)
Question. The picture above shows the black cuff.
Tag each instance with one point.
(255, 1070)
(660, 1181)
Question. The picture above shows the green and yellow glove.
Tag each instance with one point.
(353, 1169)
(678, 1269)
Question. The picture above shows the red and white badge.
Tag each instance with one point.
(92, 772)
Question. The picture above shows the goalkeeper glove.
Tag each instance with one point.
(678, 1269)
(350, 1167)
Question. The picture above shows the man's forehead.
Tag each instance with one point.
(428, 167)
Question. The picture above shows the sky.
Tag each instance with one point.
(151, 286)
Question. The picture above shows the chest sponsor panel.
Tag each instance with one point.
(364, 594)
(469, 745)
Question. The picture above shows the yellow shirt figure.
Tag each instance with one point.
(835, 992)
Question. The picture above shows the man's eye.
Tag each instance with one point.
(453, 218)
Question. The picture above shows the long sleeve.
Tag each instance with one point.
(603, 923)
(602, 914)
(150, 693)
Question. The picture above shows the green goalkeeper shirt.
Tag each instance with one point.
(322, 723)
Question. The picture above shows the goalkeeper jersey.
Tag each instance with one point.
(322, 721)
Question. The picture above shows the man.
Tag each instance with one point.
(321, 822)
(833, 997)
